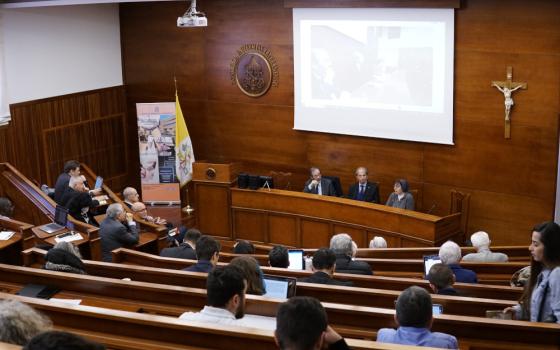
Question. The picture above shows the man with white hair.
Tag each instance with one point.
(481, 242)
(378, 242)
(117, 230)
(341, 244)
(450, 255)
(131, 196)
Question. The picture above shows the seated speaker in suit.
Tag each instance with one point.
(317, 185)
(363, 190)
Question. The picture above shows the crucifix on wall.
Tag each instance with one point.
(507, 88)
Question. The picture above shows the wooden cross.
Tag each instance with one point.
(507, 88)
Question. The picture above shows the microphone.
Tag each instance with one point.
(432, 208)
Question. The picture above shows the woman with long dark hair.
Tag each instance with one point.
(541, 299)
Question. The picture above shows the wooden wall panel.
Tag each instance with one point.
(249, 225)
(314, 233)
(283, 230)
(512, 182)
(90, 126)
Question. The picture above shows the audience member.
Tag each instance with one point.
(401, 198)
(78, 201)
(414, 318)
(378, 242)
(481, 242)
(140, 209)
(117, 230)
(6, 207)
(130, 196)
(226, 289)
(541, 298)
(71, 168)
(19, 322)
(252, 274)
(207, 252)
(185, 250)
(57, 340)
(341, 244)
(317, 185)
(362, 189)
(302, 324)
(243, 247)
(441, 279)
(354, 250)
(65, 257)
(324, 261)
(278, 257)
(450, 255)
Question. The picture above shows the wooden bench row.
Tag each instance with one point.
(131, 257)
(354, 321)
(327, 293)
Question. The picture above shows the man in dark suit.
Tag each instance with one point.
(324, 261)
(341, 244)
(363, 190)
(117, 230)
(71, 168)
(317, 185)
(208, 253)
(78, 201)
(185, 250)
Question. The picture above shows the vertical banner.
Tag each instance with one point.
(156, 141)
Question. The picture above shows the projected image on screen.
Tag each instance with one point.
(375, 72)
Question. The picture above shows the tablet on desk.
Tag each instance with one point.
(429, 261)
(296, 259)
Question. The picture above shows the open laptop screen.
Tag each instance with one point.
(296, 259)
(60, 215)
(279, 287)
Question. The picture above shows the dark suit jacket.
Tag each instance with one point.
(184, 251)
(327, 188)
(323, 278)
(61, 186)
(200, 266)
(74, 201)
(448, 291)
(371, 194)
(344, 264)
(463, 275)
(115, 235)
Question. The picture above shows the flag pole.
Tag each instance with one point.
(188, 209)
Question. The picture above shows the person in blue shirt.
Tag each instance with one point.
(414, 317)
(450, 255)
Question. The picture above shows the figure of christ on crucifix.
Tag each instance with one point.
(507, 88)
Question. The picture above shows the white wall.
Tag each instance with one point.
(51, 51)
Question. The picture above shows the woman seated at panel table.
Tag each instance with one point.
(401, 198)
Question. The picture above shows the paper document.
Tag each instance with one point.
(68, 238)
(67, 301)
(5, 235)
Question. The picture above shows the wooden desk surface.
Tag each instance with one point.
(13, 240)
(309, 220)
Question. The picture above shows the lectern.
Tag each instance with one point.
(212, 182)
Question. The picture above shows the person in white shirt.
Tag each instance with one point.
(226, 288)
(481, 242)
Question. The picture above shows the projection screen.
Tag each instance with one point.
(384, 73)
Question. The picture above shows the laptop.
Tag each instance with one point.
(60, 219)
(279, 287)
(429, 261)
(296, 259)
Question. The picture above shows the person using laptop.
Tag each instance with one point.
(324, 262)
(117, 230)
(78, 201)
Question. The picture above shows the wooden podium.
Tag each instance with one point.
(212, 182)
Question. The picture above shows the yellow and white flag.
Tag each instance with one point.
(183, 147)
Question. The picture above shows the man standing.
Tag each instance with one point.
(117, 230)
(317, 185)
(185, 250)
(71, 168)
(363, 190)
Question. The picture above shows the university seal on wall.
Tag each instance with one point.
(254, 70)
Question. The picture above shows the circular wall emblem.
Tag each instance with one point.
(254, 70)
(210, 173)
